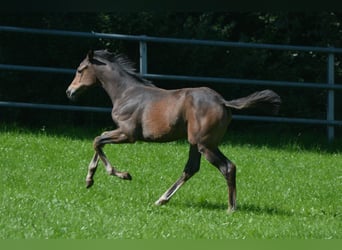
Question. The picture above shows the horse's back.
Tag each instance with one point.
(192, 113)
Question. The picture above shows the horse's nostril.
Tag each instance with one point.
(68, 93)
(71, 94)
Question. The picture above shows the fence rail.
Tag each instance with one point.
(330, 85)
(187, 78)
(143, 38)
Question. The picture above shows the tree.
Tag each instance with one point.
(295, 28)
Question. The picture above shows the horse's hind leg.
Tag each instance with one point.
(191, 167)
(228, 170)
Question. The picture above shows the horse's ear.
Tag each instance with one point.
(90, 54)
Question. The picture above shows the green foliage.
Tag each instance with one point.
(287, 189)
(294, 28)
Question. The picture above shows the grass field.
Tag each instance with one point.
(286, 190)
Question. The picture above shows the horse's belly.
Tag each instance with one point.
(163, 132)
(164, 126)
(163, 120)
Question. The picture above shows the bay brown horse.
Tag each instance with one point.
(145, 112)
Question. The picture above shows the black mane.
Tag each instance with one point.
(124, 63)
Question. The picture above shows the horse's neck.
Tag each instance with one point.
(116, 88)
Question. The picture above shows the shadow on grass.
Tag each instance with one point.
(72, 132)
(254, 209)
(241, 208)
(261, 136)
(281, 137)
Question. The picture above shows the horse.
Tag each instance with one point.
(144, 112)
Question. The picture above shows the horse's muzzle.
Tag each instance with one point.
(71, 94)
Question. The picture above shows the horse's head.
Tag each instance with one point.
(84, 78)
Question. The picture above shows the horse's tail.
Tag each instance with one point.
(266, 99)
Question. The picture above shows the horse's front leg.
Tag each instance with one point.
(115, 136)
(91, 170)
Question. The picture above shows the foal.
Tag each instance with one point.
(145, 112)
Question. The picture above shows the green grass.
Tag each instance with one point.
(286, 190)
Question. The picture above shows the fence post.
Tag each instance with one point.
(143, 57)
(331, 97)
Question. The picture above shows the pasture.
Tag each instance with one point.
(285, 190)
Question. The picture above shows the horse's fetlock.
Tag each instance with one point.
(201, 149)
(231, 168)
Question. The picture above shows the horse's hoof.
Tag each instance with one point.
(125, 176)
(160, 202)
(89, 183)
(231, 210)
